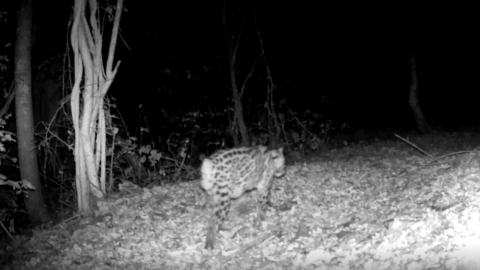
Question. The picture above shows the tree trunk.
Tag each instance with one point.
(27, 154)
(238, 118)
(90, 134)
(420, 121)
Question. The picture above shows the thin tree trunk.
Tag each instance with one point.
(239, 120)
(27, 154)
(90, 134)
(420, 121)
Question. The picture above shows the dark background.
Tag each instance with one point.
(356, 56)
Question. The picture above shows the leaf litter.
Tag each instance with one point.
(360, 207)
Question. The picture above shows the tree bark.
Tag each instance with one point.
(418, 116)
(90, 134)
(27, 154)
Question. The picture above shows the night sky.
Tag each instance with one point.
(174, 56)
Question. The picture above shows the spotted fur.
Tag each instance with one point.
(228, 174)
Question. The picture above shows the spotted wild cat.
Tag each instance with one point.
(228, 174)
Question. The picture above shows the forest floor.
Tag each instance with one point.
(383, 205)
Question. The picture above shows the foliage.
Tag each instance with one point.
(10, 191)
(143, 164)
(350, 208)
(18, 187)
(187, 137)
